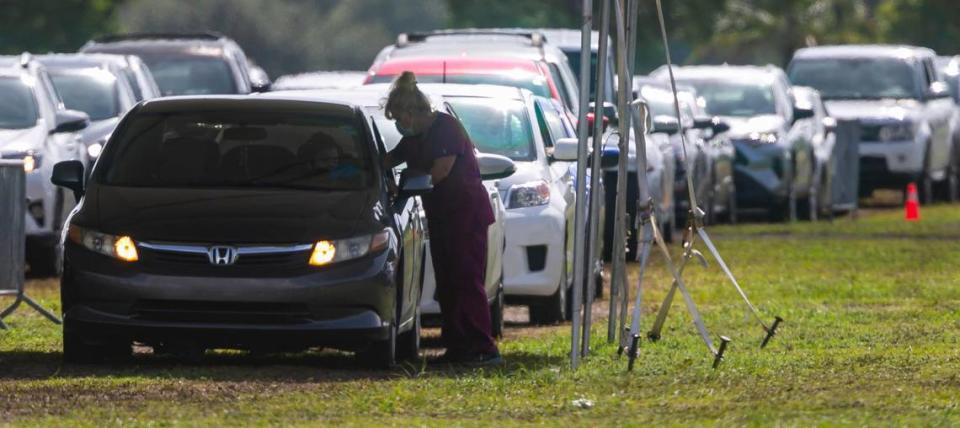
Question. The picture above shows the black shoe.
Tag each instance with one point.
(485, 359)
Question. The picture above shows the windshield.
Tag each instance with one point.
(856, 78)
(191, 75)
(533, 82)
(18, 108)
(93, 92)
(240, 149)
(497, 126)
(731, 98)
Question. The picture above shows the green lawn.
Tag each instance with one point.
(871, 337)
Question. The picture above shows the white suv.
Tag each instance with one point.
(906, 115)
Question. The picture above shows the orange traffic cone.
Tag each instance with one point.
(912, 206)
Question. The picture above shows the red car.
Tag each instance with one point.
(515, 72)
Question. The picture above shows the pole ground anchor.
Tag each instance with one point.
(724, 340)
(771, 331)
(634, 350)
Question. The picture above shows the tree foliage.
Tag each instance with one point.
(52, 25)
(286, 36)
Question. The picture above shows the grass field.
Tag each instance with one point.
(871, 337)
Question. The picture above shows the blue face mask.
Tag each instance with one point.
(404, 131)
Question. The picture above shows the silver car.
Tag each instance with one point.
(37, 129)
(907, 118)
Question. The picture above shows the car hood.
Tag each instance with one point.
(98, 130)
(744, 126)
(881, 110)
(526, 172)
(12, 140)
(234, 215)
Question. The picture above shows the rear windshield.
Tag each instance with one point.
(856, 78)
(240, 149)
(496, 126)
(533, 82)
(191, 74)
(18, 108)
(731, 98)
(93, 92)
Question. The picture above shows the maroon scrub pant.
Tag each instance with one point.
(459, 265)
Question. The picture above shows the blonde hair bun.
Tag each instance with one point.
(405, 96)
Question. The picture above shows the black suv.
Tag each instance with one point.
(242, 223)
(185, 64)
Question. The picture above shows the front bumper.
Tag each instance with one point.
(889, 165)
(760, 172)
(345, 305)
(530, 231)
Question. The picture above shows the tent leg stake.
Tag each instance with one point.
(724, 340)
(771, 331)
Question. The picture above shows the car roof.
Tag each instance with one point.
(320, 80)
(376, 94)
(200, 44)
(456, 65)
(759, 74)
(17, 65)
(278, 103)
(864, 51)
(488, 42)
(75, 60)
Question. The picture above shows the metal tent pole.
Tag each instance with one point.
(581, 202)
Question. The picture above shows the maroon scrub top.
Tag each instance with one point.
(459, 200)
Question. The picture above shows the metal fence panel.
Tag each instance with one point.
(12, 201)
(846, 158)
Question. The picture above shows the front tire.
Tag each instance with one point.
(553, 309)
(408, 343)
(381, 354)
(78, 349)
(496, 314)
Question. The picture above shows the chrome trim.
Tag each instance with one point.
(204, 249)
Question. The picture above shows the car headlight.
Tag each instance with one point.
(530, 194)
(328, 252)
(31, 160)
(763, 137)
(94, 149)
(896, 132)
(119, 247)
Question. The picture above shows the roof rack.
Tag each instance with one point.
(536, 38)
(204, 35)
(25, 59)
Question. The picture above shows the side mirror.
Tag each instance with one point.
(719, 126)
(69, 174)
(70, 121)
(663, 124)
(259, 79)
(566, 149)
(610, 158)
(414, 184)
(495, 167)
(800, 113)
(937, 90)
(829, 124)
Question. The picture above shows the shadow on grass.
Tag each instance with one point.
(307, 367)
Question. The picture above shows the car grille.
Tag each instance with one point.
(192, 259)
(870, 132)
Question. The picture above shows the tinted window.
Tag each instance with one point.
(497, 126)
(93, 92)
(18, 108)
(726, 98)
(191, 75)
(855, 78)
(240, 149)
(533, 82)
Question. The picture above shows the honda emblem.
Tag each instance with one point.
(222, 255)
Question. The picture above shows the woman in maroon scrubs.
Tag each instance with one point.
(458, 215)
